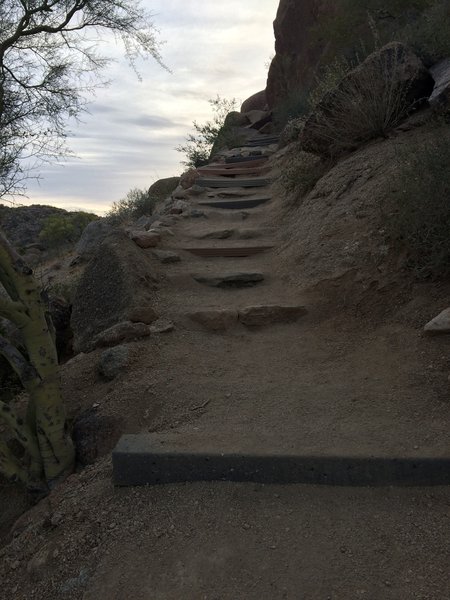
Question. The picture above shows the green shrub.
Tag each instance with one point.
(420, 223)
(137, 203)
(59, 230)
(199, 144)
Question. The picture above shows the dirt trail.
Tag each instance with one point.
(325, 384)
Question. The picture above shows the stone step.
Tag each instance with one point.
(224, 183)
(149, 459)
(238, 203)
(230, 280)
(228, 252)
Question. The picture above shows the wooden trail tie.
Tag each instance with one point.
(232, 172)
(227, 252)
(224, 183)
(245, 159)
(238, 203)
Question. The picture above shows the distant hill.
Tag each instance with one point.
(24, 224)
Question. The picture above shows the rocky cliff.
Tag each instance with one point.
(298, 46)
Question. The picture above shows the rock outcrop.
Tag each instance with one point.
(117, 285)
(91, 238)
(256, 102)
(440, 97)
(297, 46)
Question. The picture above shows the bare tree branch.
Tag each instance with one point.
(48, 64)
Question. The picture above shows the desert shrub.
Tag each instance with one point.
(301, 173)
(365, 106)
(291, 131)
(420, 223)
(199, 144)
(328, 78)
(59, 230)
(136, 203)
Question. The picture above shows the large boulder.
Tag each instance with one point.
(91, 238)
(256, 102)
(371, 99)
(440, 97)
(119, 280)
(162, 188)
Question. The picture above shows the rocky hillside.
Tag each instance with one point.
(23, 225)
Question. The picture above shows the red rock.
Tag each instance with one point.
(298, 48)
(145, 239)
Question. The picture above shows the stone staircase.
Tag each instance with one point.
(226, 284)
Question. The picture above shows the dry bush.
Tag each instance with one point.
(420, 223)
(301, 173)
(363, 106)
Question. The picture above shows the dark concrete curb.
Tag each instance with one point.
(147, 459)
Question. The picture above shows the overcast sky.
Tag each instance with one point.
(128, 139)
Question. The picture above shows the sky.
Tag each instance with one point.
(128, 139)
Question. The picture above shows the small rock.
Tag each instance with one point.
(256, 316)
(166, 257)
(162, 326)
(145, 239)
(215, 320)
(37, 563)
(197, 214)
(181, 205)
(113, 361)
(125, 331)
(146, 221)
(56, 519)
(180, 194)
(196, 190)
(142, 314)
(440, 324)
